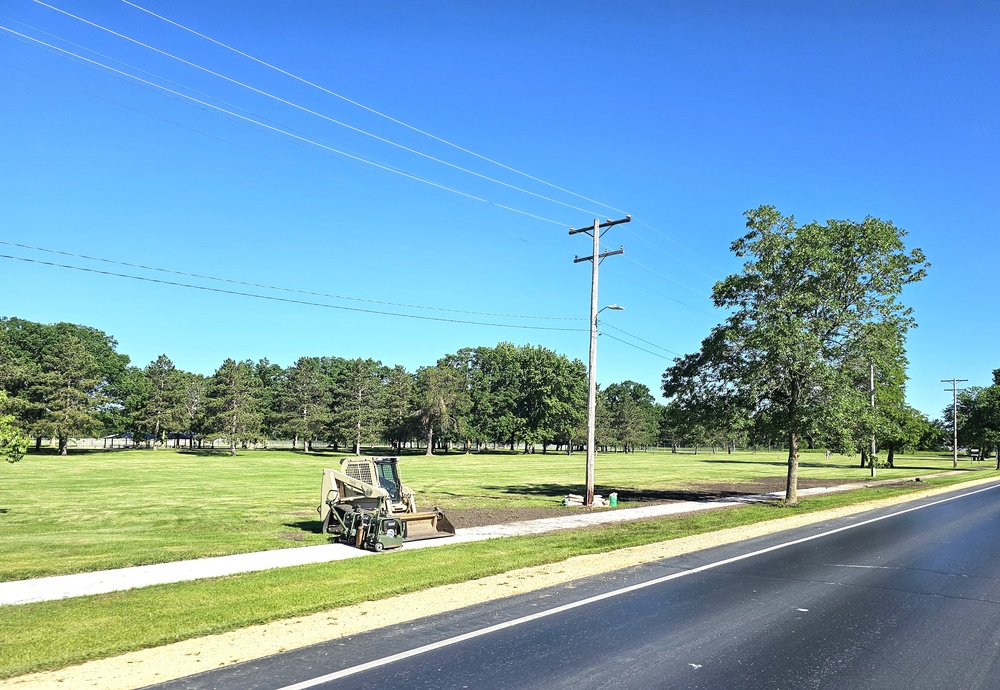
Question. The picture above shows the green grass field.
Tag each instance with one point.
(97, 510)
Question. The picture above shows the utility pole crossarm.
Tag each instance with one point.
(620, 250)
(606, 224)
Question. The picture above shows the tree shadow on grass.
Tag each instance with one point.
(784, 463)
(311, 526)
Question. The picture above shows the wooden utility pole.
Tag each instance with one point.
(596, 232)
(954, 418)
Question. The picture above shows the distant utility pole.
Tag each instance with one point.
(596, 232)
(954, 417)
(871, 388)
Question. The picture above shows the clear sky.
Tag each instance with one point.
(683, 114)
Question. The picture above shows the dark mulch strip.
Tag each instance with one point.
(477, 517)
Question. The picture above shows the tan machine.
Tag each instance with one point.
(366, 505)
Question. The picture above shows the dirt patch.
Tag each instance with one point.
(709, 491)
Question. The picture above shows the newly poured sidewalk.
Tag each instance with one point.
(104, 581)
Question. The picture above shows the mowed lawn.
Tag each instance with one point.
(108, 509)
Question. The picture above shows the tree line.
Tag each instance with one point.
(65, 381)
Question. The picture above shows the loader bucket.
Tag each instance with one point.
(429, 524)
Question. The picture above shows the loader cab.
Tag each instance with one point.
(380, 472)
(388, 478)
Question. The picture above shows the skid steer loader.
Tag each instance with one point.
(365, 505)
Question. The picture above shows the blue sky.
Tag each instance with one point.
(682, 114)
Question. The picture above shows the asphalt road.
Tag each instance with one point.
(882, 600)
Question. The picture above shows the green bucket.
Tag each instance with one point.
(613, 500)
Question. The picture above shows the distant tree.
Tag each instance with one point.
(194, 390)
(904, 429)
(399, 414)
(566, 403)
(934, 436)
(806, 296)
(271, 377)
(233, 405)
(442, 400)
(496, 392)
(305, 400)
(130, 398)
(68, 391)
(162, 410)
(62, 379)
(632, 414)
(553, 395)
(358, 400)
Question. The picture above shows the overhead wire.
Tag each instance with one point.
(288, 299)
(286, 133)
(395, 120)
(648, 342)
(279, 288)
(360, 159)
(311, 111)
(392, 119)
(370, 109)
(625, 342)
(74, 87)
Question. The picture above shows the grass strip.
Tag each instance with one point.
(51, 635)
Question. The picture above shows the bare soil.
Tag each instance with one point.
(479, 517)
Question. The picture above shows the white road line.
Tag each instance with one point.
(600, 597)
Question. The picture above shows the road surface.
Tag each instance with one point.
(907, 597)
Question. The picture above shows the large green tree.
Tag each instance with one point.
(801, 310)
(67, 389)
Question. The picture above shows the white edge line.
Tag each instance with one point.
(600, 597)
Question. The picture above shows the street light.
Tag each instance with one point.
(588, 499)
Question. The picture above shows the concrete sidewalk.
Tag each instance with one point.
(104, 581)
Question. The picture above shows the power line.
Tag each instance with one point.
(278, 130)
(283, 161)
(287, 299)
(304, 109)
(659, 347)
(656, 273)
(313, 142)
(380, 114)
(282, 289)
(625, 342)
(682, 246)
(370, 109)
